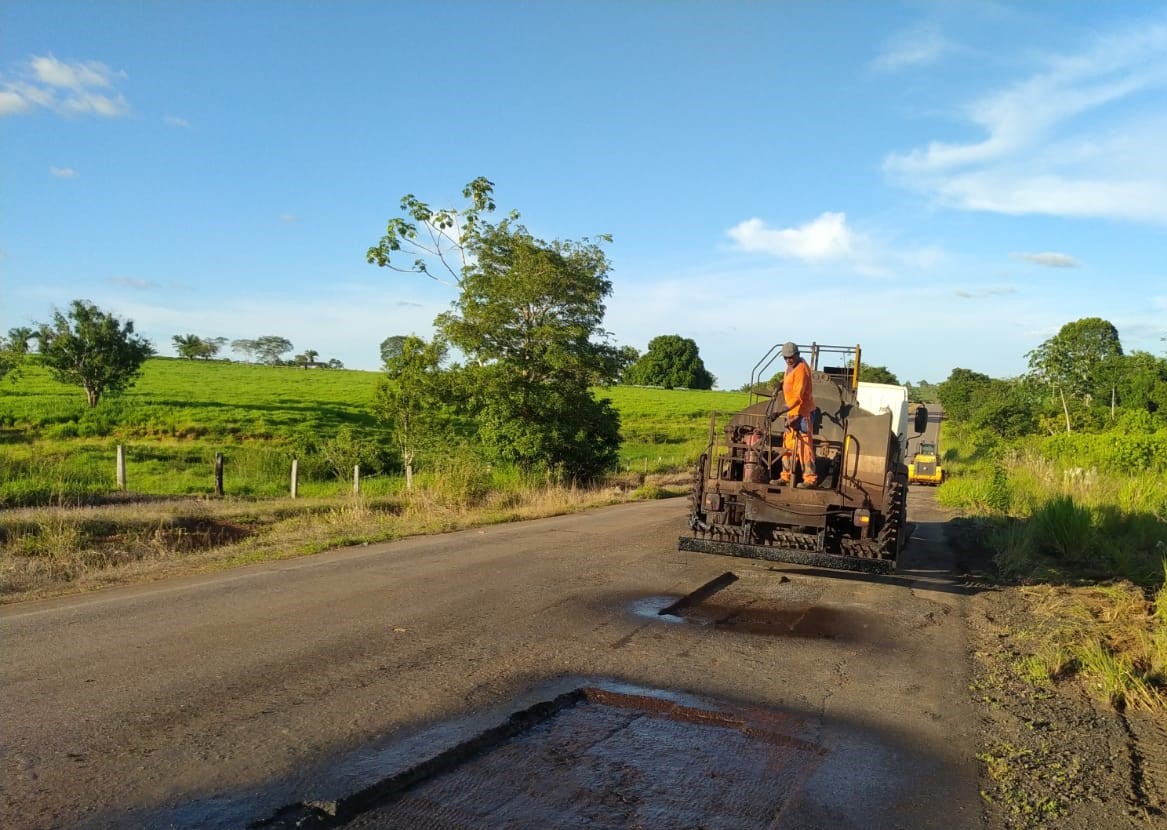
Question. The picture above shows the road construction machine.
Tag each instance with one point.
(925, 468)
(855, 515)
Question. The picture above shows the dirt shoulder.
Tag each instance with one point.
(1052, 756)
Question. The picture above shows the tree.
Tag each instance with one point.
(391, 347)
(246, 348)
(877, 374)
(1143, 383)
(411, 399)
(270, 347)
(959, 393)
(10, 356)
(1078, 362)
(922, 392)
(528, 319)
(192, 346)
(1004, 407)
(626, 358)
(671, 361)
(13, 349)
(92, 349)
(306, 358)
(445, 236)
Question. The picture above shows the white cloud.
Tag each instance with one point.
(175, 121)
(1048, 259)
(829, 240)
(12, 102)
(62, 172)
(988, 291)
(824, 238)
(134, 282)
(288, 218)
(81, 75)
(1080, 137)
(78, 88)
(918, 46)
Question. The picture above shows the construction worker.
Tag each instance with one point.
(798, 399)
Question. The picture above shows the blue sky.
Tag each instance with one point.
(946, 184)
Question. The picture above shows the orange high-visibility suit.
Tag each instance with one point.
(798, 393)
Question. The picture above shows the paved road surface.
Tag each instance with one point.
(214, 701)
(931, 431)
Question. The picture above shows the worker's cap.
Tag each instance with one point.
(789, 349)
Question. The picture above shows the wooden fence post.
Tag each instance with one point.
(356, 479)
(121, 467)
(295, 468)
(218, 474)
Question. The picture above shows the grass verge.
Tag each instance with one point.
(56, 551)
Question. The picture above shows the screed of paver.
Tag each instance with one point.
(618, 761)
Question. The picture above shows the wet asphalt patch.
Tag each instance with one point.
(592, 757)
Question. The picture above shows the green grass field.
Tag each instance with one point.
(54, 449)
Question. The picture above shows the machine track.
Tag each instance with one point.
(797, 557)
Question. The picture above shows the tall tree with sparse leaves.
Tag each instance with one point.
(271, 347)
(191, 346)
(92, 349)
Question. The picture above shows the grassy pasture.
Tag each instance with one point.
(56, 450)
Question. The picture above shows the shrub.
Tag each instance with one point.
(1064, 530)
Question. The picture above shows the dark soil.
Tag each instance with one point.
(1053, 756)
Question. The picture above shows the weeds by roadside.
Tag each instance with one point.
(53, 551)
(1091, 550)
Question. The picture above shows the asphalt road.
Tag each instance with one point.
(931, 431)
(215, 701)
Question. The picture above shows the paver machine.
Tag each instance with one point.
(854, 518)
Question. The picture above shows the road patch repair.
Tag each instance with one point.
(592, 757)
(606, 754)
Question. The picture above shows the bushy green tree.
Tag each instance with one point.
(14, 348)
(529, 321)
(673, 362)
(626, 358)
(1080, 363)
(528, 318)
(1142, 385)
(958, 395)
(1004, 407)
(922, 392)
(92, 349)
(391, 347)
(877, 374)
(413, 400)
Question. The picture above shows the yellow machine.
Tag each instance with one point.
(924, 468)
